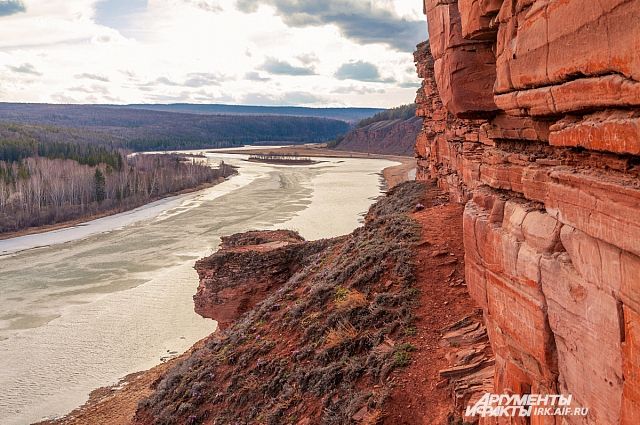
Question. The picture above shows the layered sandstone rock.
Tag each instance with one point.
(531, 112)
(246, 269)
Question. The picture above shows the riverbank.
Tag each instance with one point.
(91, 217)
(392, 176)
(117, 404)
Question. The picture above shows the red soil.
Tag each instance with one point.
(416, 398)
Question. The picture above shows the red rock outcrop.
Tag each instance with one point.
(246, 269)
(532, 119)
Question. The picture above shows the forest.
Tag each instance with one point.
(37, 191)
(350, 115)
(16, 145)
(403, 112)
(147, 130)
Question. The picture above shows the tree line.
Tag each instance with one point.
(146, 130)
(16, 149)
(403, 112)
(38, 191)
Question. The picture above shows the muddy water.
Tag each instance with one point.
(82, 307)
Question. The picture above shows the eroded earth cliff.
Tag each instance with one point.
(532, 120)
(390, 137)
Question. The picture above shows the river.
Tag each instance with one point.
(84, 306)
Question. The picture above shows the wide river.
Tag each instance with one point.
(82, 307)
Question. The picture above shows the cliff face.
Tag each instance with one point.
(532, 118)
(246, 269)
(391, 137)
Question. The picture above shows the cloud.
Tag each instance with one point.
(11, 7)
(360, 20)
(25, 68)
(94, 89)
(202, 79)
(409, 85)
(278, 67)
(357, 90)
(188, 96)
(294, 98)
(63, 98)
(255, 76)
(87, 76)
(129, 74)
(194, 80)
(183, 96)
(203, 96)
(175, 50)
(308, 58)
(163, 81)
(206, 5)
(361, 71)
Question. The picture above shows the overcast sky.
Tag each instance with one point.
(259, 52)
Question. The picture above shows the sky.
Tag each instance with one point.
(253, 52)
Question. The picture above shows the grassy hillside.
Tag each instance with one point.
(323, 343)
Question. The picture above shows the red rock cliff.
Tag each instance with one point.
(532, 118)
(246, 269)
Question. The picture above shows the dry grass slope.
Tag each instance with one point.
(318, 350)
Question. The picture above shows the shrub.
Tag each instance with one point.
(402, 355)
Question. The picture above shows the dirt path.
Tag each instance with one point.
(417, 398)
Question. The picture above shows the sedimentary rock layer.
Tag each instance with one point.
(531, 118)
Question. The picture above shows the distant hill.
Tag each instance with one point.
(403, 112)
(392, 132)
(351, 115)
(140, 129)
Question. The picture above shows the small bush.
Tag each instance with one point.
(410, 330)
(402, 355)
(341, 294)
(353, 299)
(340, 334)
